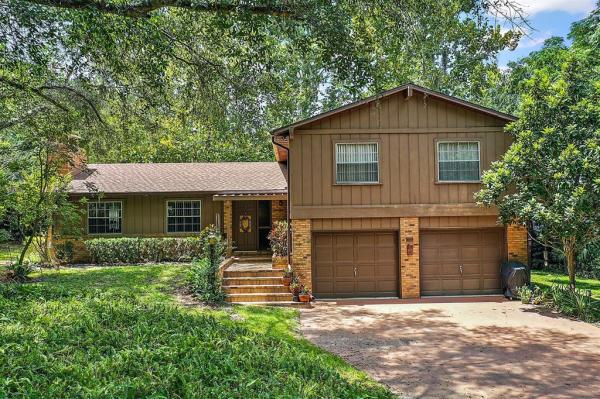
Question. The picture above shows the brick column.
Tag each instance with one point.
(301, 250)
(278, 210)
(228, 225)
(409, 264)
(516, 241)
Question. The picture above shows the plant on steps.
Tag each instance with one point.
(278, 237)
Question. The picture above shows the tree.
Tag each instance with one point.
(168, 74)
(550, 176)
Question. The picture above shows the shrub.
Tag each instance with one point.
(139, 250)
(525, 293)
(278, 238)
(65, 252)
(5, 236)
(203, 277)
(573, 302)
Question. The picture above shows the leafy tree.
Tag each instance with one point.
(550, 176)
(205, 81)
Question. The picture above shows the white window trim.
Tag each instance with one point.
(167, 216)
(337, 144)
(437, 159)
(103, 202)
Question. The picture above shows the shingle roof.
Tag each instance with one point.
(224, 177)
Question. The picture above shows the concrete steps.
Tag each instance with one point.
(256, 286)
(259, 297)
(253, 273)
(256, 289)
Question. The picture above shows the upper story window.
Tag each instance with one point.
(183, 216)
(357, 163)
(458, 161)
(105, 217)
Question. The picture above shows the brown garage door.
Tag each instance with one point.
(355, 264)
(461, 262)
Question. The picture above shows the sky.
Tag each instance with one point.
(547, 18)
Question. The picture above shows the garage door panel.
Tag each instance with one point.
(478, 251)
(374, 254)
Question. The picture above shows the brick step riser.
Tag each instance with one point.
(259, 298)
(257, 273)
(253, 281)
(257, 290)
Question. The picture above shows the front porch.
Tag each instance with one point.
(248, 219)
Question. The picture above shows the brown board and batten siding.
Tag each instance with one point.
(145, 215)
(406, 129)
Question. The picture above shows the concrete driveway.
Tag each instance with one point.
(483, 347)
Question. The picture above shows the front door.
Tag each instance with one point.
(245, 226)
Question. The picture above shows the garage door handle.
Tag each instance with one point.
(355, 268)
(461, 269)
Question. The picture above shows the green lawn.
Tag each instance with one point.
(119, 332)
(9, 252)
(545, 279)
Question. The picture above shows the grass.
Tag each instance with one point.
(118, 332)
(545, 279)
(9, 252)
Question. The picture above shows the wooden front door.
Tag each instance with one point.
(245, 229)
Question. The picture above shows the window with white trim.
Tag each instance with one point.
(105, 217)
(183, 216)
(458, 161)
(357, 163)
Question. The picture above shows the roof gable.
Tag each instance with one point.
(408, 90)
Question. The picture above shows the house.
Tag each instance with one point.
(379, 194)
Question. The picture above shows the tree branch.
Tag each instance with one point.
(78, 94)
(141, 8)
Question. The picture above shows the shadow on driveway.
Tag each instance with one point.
(476, 349)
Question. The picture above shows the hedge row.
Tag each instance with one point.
(140, 250)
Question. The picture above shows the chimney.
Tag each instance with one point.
(73, 161)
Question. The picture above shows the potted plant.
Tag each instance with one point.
(279, 245)
(305, 295)
(288, 275)
(295, 287)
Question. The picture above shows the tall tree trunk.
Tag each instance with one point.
(24, 250)
(569, 249)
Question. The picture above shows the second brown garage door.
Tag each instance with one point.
(461, 261)
(355, 264)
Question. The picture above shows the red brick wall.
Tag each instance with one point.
(516, 241)
(301, 250)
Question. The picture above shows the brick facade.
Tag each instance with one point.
(516, 241)
(409, 264)
(301, 250)
(228, 225)
(278, 210)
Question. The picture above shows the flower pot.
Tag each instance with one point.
(304, 297)
(287, 281)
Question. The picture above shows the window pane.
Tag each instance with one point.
(105, 217)
(357, 163)
(458, 161)
(183, 216)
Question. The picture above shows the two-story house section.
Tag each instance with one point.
(380, 197)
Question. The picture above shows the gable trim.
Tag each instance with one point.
(409, 87)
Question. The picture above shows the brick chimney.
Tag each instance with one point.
(74, 161)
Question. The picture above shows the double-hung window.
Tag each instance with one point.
(105, 217)
(183, 216)
(458, 161)
(357, 163)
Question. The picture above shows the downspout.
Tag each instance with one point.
(288, 202)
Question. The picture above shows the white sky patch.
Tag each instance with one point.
(532, 7)
(534, 40)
